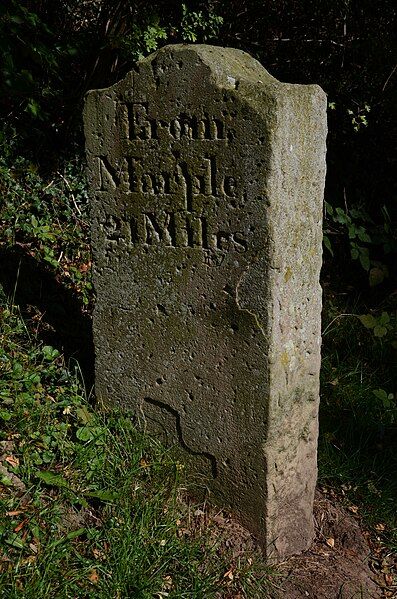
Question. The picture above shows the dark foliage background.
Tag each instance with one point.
(54, 51)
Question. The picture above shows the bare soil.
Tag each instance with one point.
(337, 564)
(345, 561)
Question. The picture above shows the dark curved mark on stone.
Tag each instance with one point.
(178, 428)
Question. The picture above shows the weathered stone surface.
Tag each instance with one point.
(207, 182)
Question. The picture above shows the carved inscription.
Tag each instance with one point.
(172, 229)
(130, 176)
(187, 224)
(140, 127)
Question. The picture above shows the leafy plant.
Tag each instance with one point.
(199, 25)
(26, 48)
(380, 325)
(388, 402)
(142, 40)
(48, 218)
(357, 232)
(144, 37)
(364, 237)
(359, 116)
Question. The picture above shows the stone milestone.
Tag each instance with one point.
(206, 178)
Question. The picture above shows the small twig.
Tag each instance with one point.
(71, 192)
(345, 199)
(49, 185)
(336, 318)
(389, 77)
(300, 41)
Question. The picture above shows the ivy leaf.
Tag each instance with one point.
(103, 495)
(376, 276)
(363, 235)
(368, 321)
(380, 394)
(352, 231)
(327, 244)
(84, 415)
(342, 217)
(5, 415)
(54, 480)
(84, 433)
(384, 319)
(50, 353)
(386, 399)
(364, 259)
(380, 331)
(33, 107)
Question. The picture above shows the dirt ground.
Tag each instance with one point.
(345, 561)
(337, 564)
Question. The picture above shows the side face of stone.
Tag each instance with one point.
(207, 179)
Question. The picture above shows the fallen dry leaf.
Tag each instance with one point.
(353, 509)
(183, 532)
(93, 576)
(12, 460)
(85, 267)
(229, 574)
(21, 525)
(330, 542)
(98, 554)
(167, 583)
(389, 579)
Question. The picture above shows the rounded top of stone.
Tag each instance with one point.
(227, 65)
(225, 68)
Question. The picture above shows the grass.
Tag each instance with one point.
(89, 505)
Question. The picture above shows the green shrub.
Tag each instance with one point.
(48, 218)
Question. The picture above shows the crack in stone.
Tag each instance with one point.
(178, 428)
(237, 300)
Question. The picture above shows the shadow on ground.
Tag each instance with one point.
(68, 328)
